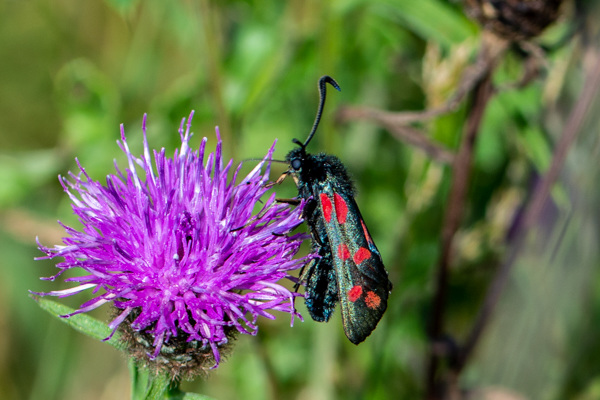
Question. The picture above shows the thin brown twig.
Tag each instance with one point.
(533, 212)
(415, 137)
(402, 132)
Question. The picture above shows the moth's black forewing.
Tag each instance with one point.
(340, 242)
(360, 315)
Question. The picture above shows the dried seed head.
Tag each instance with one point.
(514, 19)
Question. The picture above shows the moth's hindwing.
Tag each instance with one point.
(321, 287)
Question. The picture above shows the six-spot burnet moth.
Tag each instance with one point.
(350, 270)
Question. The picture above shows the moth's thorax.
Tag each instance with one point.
(319, 169)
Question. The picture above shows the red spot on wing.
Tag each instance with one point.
(367, 236)
(343, 252)
(327, 207)
(354, 293)
(372, 300)
(341, 208)
(361, 255)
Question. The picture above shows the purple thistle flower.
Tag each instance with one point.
(179, 251)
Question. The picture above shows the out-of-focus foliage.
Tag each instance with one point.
(72, 71)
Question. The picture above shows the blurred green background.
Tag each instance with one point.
(72, 71)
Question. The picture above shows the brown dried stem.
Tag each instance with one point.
(461, 168)
(534, 210)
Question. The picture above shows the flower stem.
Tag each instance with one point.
(148, 386)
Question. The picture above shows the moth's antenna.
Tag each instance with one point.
(262, 159)
(322, 94)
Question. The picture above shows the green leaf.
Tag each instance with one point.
(81, 322)
(195, 396)
(432, 20)
(536, 146)
(23, 171)
(124, 7)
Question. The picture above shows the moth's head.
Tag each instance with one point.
(295, 159)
